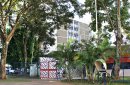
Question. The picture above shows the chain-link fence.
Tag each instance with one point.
(23, 69)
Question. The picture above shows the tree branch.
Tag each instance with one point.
(3, 29)
(16, 22)
(3, 19)
(109, 16)
(13, 28)
(6, 3)
(9, 7)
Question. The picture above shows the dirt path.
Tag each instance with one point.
(35, 82)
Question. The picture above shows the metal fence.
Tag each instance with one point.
(22, 69)
(43, 70)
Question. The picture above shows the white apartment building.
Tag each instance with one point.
(76, 30)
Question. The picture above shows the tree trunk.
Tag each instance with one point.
(69, 73)
(3, 59)
(90, 73)
(25, 54)
(116, 71)
(32, 49)
(118, 42)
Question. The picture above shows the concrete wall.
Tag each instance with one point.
(126, 72)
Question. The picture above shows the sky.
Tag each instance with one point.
(86, 18)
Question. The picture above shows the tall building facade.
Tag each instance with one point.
(76, 30)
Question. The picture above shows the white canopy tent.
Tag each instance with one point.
(99, 63)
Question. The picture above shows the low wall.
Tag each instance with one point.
(126, 72)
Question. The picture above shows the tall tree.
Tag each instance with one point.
(89, 53)
(42, 20)
(118, 41)
(12, 10)
(65, 54)
(108, 13)
(10, 13)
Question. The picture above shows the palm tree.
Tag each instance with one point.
(65, 55)
(89, 53)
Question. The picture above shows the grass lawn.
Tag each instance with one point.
(85, 82)
(15, 79)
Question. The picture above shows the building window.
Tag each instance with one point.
(76, 35)
(70, 34)
(76, 22)
(76, 28)
(70, 27)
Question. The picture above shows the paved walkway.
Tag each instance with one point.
(35, 82)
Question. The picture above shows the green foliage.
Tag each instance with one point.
(84, 53)
(66, 52)
(65, 55)
(17, 54)
(15, 50)
(106, 50)
(88, 54)
(107, 12)
(41, 19)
